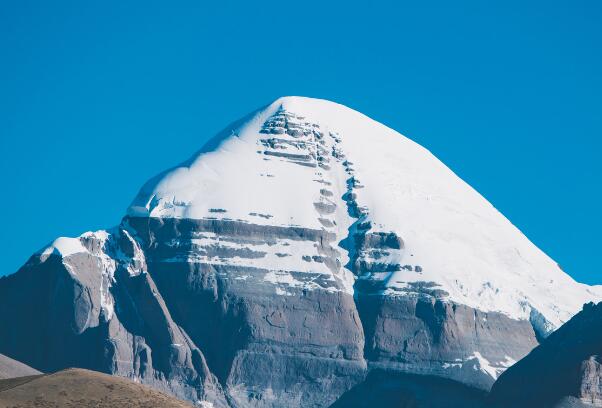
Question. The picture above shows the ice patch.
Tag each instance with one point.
(108, 266)
(281, 277)
(484, 365)
(282, 292)
(508, 362)
(480, 363)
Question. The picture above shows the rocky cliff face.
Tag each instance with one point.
(428, 336)
(88, 309)
(271, 337)
(302, 252)
(563, 371)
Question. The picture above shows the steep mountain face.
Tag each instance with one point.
(564, 371)
(89, 302)
(300, 249)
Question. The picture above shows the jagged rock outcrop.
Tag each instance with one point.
(564, 371)
(84, 308)
(300, 253)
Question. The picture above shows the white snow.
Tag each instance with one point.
(480, 363)
(509, 361)
(460, 241)
(64, 246)
(135, 265)
(107, 266)
(282, 277)
(485, 366)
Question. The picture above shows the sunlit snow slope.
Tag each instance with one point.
(320, 165)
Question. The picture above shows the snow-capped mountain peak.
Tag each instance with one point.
(300, 250)
(317, 164)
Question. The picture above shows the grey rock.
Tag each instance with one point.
(392, 389)
(10, 368)
(564, 370)
(61, 323)
(256, 343)
(419, 334)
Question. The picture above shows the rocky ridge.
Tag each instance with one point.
(564, 371)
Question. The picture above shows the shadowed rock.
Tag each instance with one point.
(564, 371)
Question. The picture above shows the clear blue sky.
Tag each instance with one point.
(98, 96)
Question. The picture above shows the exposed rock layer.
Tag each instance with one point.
(218, 332)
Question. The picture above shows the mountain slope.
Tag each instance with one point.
(392, 389)
(564, 371)
(10, 368)
(83, 388)
(300, 249)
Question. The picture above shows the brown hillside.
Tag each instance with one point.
(78, 388)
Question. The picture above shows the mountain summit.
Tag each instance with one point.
(317, 164)
(302, 248)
